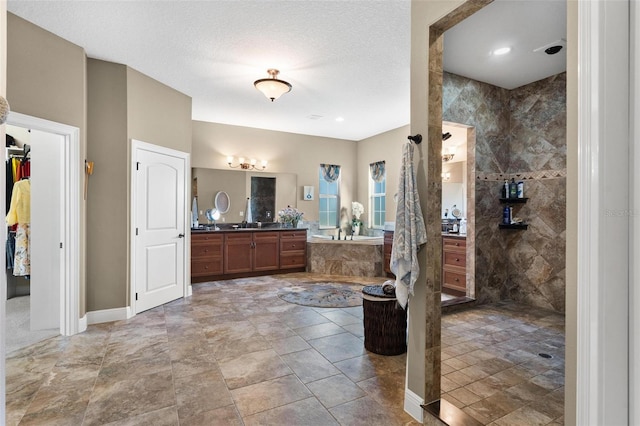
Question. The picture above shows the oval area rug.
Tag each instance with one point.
(323, 294)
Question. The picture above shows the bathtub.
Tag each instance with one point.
(360, 257)
(357, 239)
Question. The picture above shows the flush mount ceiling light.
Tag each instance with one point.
(272, 87)
(501, 51)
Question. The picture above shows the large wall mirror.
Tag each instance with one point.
(454, 171)
(269, 193)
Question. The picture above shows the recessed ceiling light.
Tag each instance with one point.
(502, 51)
(340, 119)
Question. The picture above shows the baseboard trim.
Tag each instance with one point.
(82, 324)
(189, 290)
(108, 315)
(413, 405)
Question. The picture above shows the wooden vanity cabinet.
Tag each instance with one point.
(207, 254)
(454, 266)
(234, 254)
(293, 249)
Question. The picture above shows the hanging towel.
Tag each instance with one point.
(410, 232)
(194, 213)
(248, 217)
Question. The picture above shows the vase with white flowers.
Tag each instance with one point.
(356, 210)
(290, 215)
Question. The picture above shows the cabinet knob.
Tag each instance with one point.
(457, 279)
(457, 260)
(457, 244)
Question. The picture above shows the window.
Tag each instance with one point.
(377, 194)
(329, 195)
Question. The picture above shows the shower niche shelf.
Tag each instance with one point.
(521, 226)
(513, 200)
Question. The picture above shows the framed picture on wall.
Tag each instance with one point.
(307, 193)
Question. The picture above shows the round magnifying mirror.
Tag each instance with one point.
(222, 202)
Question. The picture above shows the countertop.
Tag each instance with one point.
(446, 234)
(236, 230)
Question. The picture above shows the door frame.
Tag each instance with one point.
(70, 223)
(135, 146)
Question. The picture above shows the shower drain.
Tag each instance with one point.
(543, 355)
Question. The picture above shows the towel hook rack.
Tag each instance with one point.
(417, 139)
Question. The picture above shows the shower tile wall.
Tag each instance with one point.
(520, 133)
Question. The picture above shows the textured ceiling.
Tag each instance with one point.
(346, 59)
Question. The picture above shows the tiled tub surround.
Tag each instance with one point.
(351, 258)
(520, 133)
(236, 354)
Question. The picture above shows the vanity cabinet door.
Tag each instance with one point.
(238, 253)
(265, 251)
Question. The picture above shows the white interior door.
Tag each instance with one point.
(47, 181)
(160, 206)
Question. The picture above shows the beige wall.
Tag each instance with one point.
(158, 114)
(285, 152)
(107, 200)
(46, 78)
(123, 104)
(386, 146)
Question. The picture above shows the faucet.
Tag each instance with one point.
(339, 232)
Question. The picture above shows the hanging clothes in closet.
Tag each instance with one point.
(19, 215)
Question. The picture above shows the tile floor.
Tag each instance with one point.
(236, 354)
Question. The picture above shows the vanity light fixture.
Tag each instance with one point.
(244, 165)
(272, 87)
(445, 176)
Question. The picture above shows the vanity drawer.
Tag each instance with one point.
(207, 238)
(452, 258)
(202, 268)
(294, 235)
(199, 249)
(292, 245)
(454, 244)
(293, 260)
(454, 281)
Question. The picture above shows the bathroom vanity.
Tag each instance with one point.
(236, 253)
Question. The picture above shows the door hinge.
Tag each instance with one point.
(136, 231)
(136, 296)
(60, 245)
(137, 165)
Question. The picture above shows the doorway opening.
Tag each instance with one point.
(458, 208)
(53, 276)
